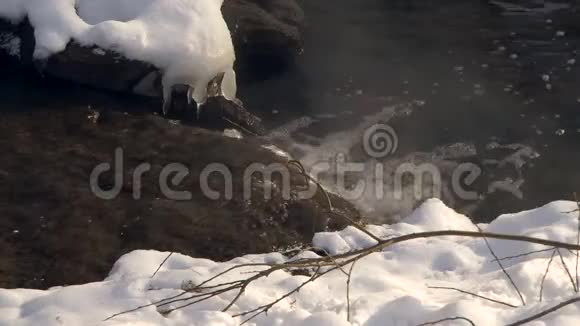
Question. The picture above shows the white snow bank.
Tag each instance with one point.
(187, 39)
(389, 288)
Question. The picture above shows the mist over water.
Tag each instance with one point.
(493, 84)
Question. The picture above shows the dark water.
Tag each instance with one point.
(484, 74)
(475, 73)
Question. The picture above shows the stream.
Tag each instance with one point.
(490, 83)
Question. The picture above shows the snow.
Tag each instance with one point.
(278, 151)
(387, 288)
(187, 39)
(233, 133)
(546, 7)
(10, 44)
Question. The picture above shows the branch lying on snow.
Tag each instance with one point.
(348, 291)
(203, 291)
(545, 312)
(502, 268)
(546, 273)
(565, 266)
(524, 254)
(448, 319)
(578, 243)
(198, 293)
(161, 265)
(264, 308)
(473, 294)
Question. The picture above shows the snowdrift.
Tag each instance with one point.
(391, 287)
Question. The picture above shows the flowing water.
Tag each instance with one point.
(495, 84)
(492, 84)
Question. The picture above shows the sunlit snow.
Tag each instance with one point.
(391, 287)
(187, 39)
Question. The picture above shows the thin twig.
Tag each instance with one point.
(567, 270)
(523, 255)
(309, 179)
(229, 270)
(545, 312)
(144, 306)
(473, 294)
(330, 206)
(240, 126)
(383, 244)
(502, 268)
(339, 260)
(577, 243)
(348, 291)
(161, 265)
(265, 308)
(331, 258)
(546, 274)
(448, 319)
(200, 298)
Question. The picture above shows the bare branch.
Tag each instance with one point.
(199, 297)
(545, 312)
(448, 319)
(524, 254)
(567, 270)
(237, 125)
(144, 306)
(262, 309)
(161, 265)
(229, 270)
(546, 274)
(330, 206)
(473, 294)
(430, 234)
(348, 291)
(502, 268)
(577, 243)
(335, 262)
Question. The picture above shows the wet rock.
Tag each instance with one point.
(100, 68)
(54, 230)
(91, 66)
(217, 113)
(267, 34)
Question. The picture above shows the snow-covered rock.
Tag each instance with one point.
(188, 40)
(390, 288)
(128, 45)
